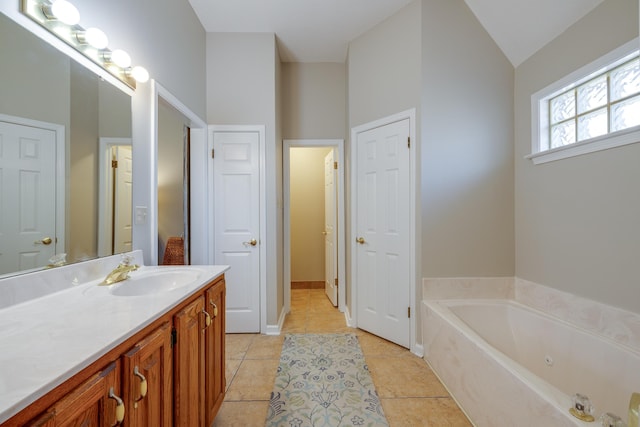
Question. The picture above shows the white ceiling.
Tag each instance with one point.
(320, 30)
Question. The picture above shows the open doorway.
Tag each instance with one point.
(116, 184)
(314, 218)
(173, 186)
(194, 200)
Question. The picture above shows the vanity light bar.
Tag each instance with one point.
(61, 18)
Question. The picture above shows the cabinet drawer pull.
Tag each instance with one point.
(207, 318)
(143, 382)
(119, 406)
(215, 308)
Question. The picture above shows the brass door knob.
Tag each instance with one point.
(360, 240)
(45, 241)
(251, 242)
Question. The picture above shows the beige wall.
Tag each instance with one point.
(313, 100)
(242, 82)
(467, 146)
(168, 41)
(35, 86)
(307, 213)
(435, 56)
(384, 67)
(83, 179)
(115, 112)
(578, 219)
(384, 78)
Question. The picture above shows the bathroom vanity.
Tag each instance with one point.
(147, 351)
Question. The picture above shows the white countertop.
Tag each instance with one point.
(46, 340)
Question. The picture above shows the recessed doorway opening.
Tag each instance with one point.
(314, 243)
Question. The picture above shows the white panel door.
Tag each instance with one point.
(27, 197)
(382, 232)
(122, 210)
(330, 244)
(237, 224)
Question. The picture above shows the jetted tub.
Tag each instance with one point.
(507, 364)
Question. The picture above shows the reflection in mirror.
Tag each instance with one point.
(53, 113)
(173, 186)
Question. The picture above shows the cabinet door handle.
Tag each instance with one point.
(215, 308)
(119, 406)
(207, 318)
(143, 382)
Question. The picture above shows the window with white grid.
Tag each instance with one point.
(596, 108)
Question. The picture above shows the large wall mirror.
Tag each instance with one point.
(65, 157)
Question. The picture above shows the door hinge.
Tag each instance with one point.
(335, 165)
(174, 337)
(409, 312)
(336, 282)
(114, 164)
(213, 153)
(408, 142)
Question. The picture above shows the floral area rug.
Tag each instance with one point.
(323, 381)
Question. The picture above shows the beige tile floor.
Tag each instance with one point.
(410, 393)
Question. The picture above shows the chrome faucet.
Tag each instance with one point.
(121, 272)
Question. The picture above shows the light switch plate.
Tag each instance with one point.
(140, 215)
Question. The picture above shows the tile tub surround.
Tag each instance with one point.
(464, 366)
(617, 324)
(48, 339)
(485, 387)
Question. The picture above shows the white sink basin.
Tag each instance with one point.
(155, 281)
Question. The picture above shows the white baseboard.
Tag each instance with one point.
(418, 350)
(347, 317)
(277, 329)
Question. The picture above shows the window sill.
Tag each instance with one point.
(612, 140)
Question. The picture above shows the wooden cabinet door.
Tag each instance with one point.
(89, 405)
(188, 357)
(147, 378)
(215, 352)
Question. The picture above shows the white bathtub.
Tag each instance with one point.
(509, 365)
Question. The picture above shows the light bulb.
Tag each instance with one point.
(140, 74)
(65, 12)
(121, 58)
(96, 38)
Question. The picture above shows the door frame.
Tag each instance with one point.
(261, 130)
(338, 145)
(61, 181)
(105, 192)
(414, 226)
(199, 206)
